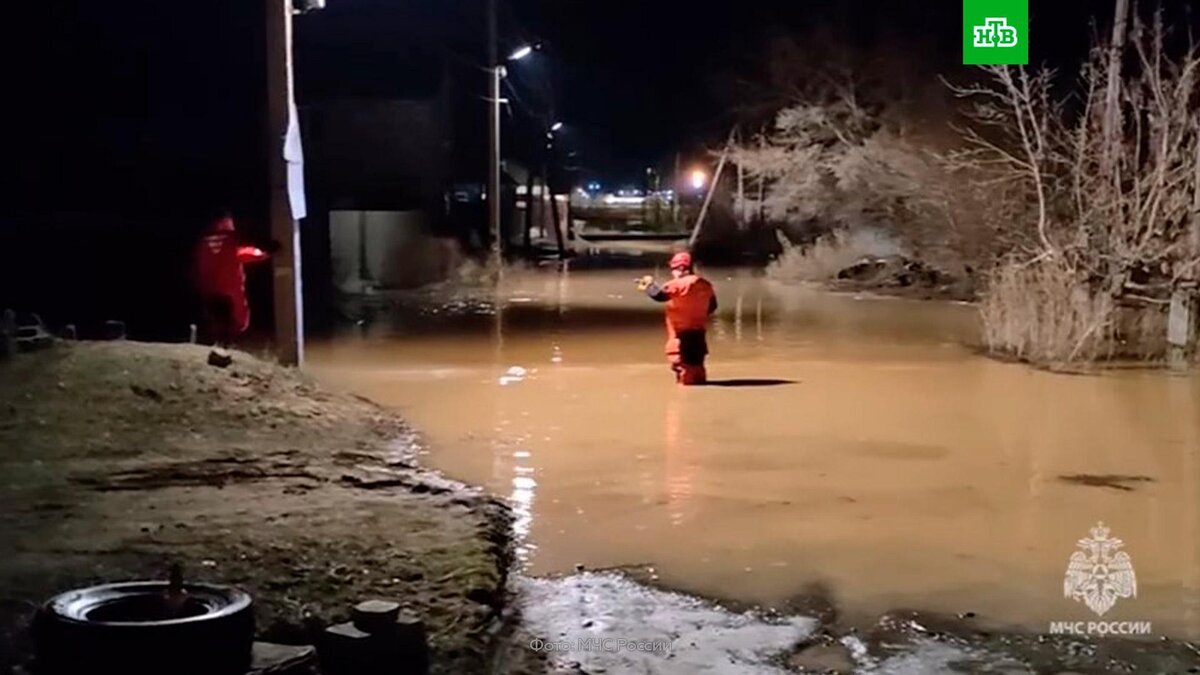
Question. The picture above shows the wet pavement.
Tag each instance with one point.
(860, 444)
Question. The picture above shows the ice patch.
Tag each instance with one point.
(583, 618)
(926, 657)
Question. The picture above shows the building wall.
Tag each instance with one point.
(387, 249)
(379, 154)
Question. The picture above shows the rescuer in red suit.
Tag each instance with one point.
(690, 300)
(219, 261)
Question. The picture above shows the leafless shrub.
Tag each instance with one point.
(1103, 220)
(830, 254)
(1041, 313)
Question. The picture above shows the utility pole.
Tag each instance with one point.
(493, 183)
(289, 314)
(712, 189)
(678, 189)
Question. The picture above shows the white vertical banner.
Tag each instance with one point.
(293, 154)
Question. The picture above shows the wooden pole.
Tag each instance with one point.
(289, 318)
(712, 189)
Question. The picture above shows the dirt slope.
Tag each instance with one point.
(117, 459)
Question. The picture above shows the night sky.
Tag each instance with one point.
(637, 80)
(633, 80)
(127, 123)
(643, 79)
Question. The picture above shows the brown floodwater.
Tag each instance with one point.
(859, 443)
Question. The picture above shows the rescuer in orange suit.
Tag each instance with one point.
(219, 260)
(690, 300)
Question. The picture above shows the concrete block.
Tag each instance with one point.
(273, 659)
(403, 650)
(377, 617)
(114, 330)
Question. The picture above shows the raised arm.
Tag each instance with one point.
(656, 292)
(251, 254)
(650, 287)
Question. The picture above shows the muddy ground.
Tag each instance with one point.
(118, 459)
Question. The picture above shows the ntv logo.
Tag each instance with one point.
(995, 33)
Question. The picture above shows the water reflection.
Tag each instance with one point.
(897, 467)
(522, 500)
(678, 463)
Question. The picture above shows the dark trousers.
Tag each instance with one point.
(218, 320)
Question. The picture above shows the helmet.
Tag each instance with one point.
(681, 261)
(223, 224)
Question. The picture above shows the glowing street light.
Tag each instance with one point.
(557, 126)
(521, 53)
(699, 178)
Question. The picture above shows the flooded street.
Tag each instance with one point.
(858, 444)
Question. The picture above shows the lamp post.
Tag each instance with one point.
(496, 74)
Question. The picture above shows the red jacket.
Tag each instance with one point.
(218, 268)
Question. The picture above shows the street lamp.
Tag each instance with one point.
(557, 126)
(493, 181)
(699, 178)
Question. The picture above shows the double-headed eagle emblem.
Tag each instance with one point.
(1100, 573)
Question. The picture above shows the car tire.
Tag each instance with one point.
(120, 628)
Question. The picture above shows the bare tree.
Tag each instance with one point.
(1113, 185)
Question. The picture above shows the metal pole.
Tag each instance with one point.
(289, 321)
(678, 190)
(493, 184)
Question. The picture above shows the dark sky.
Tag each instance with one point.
(637, 80)
(127, 121)
(117, 82)
(642, 78)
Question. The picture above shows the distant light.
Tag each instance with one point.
(521, 53)
(699, 178)
(557, 126)
(623, 199)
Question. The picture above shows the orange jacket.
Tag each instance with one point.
(690, 299)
